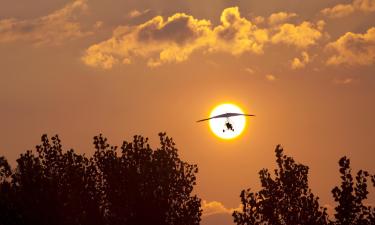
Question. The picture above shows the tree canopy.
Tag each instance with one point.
(287, 199)
(137, 185)
(133, 185)
(350, 197)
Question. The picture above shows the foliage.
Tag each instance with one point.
(285, 199)
(350, 196)
(143, 186)
(136, 186)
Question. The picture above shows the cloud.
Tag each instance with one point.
(52, 29)
(98, 24)
(345, 81)
(258, 20)
(173, 40)
(271, 77)
(320, 25)
(280, 17)
(298, 63)
(342, 10)
(136, 13)
(338, 11)
(237, 35)
(215, 207)
(364, 5)
(249, 70)
(301, 36)
(353, 49)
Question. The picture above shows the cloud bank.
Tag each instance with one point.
(342, 10)
(52, 29)
(353, 49)
(173, 40)
(176, 38)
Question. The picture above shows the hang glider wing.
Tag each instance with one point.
(226, 115)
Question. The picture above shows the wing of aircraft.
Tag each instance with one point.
(225, 115)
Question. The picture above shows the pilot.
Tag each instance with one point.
(229, 126)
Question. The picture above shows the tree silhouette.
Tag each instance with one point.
(285, 199)
(144, 186)
(136, 186)
(54, 187)
(350, 196)
(7, 207)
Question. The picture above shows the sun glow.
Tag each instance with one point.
(218, 125)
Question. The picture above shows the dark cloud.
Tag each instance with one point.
(177, 30)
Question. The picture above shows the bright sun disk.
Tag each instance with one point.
(218, 125)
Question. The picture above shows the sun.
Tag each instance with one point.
(218, 125)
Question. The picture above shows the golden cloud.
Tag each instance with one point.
(301, 36)
(136, 13)
(215, 207)
(353, 49)
(280, 17)
(342, 10)
(51, 29)
(175, 39)
(237, 35)
(271, 77)
(338, 11)
(298, 63)
(258, 19)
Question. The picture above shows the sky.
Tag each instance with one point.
(78, 68)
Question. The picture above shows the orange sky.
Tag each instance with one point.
(83, 67)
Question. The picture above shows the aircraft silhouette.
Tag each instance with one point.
(228, 124)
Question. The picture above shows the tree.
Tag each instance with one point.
(351, 209)
(136, 186)
(55, 187)
(7, 209)
(145, 186)
(283, 200)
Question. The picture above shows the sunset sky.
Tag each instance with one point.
(78, 68)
